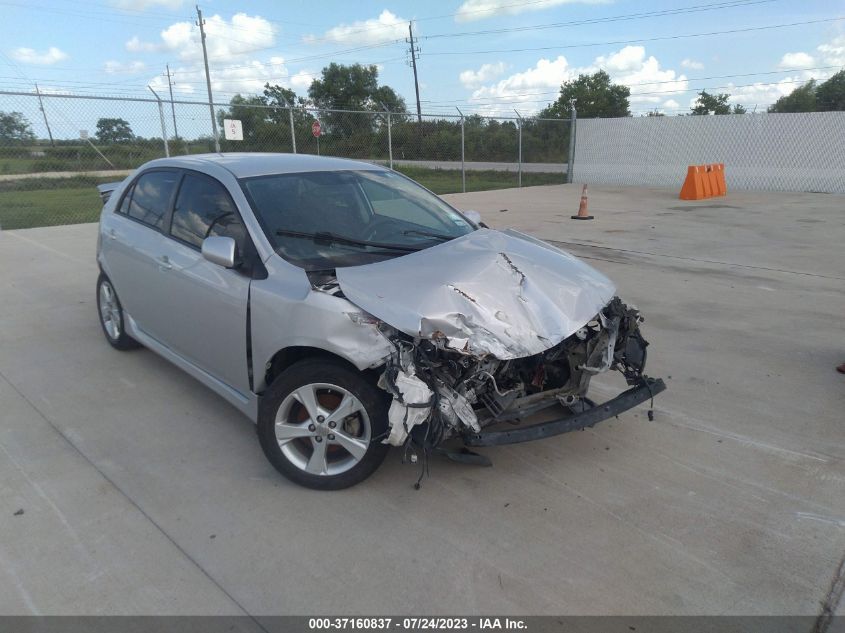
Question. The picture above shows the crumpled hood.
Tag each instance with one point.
(489, 292)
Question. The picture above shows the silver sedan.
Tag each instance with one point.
(344, 309)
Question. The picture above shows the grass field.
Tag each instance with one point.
(55, 201)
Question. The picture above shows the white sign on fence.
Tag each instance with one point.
(83, 134)
(233, 130)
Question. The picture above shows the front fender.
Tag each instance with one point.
(285, 311)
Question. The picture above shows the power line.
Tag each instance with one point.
(637, 41)
(725, 4)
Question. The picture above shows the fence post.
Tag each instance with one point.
(161, 120)
(389, 139)
(389, 134)
(570, 161)
(519, 123)
(463, 164)
(292, 131)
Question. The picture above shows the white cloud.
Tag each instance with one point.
(762, 94)
(247, 77)
(135, 45)
(32, 56)
(487, 72)
(648, 82)
(535, 87)
(472, 10)
(522, 88)
(671, 104)
(387, 26)
(691, 64)
(797, 60)
(833, 52)
(142, 5)
(119, 68)
(756, 96)
(225, 39)
(302, 80)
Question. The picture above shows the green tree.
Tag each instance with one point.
(114, 131)
(15, 128)
(278, 98)
(715, 104)
(830, 95)
(354, 87)
(593, 96)
(802, 99)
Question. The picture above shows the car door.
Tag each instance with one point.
(133, 242)
(202, 311)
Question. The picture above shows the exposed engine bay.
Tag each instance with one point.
(439, 393)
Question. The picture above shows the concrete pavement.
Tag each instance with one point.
(143, 492)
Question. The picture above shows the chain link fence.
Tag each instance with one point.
(768, 152)
(55, 148)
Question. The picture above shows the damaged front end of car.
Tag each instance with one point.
(440, 393)
(491, 328)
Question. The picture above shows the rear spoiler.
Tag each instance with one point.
(105, 190)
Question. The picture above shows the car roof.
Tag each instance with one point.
(248, 164)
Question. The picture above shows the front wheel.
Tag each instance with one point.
(111, 316)
(321, 424)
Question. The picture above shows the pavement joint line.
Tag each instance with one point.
(38, 244)
(131, 501)
(694, 259)
(832, 599)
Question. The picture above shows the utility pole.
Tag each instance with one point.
(172, 106)
(414, 51)
(201, 24)
(44, 114)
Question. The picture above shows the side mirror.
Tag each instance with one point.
(220, 250)
(472, 216)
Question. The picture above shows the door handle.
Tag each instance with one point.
(112, 234)
(164, 263)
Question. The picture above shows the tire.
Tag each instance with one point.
(110, 312)
(338, 447)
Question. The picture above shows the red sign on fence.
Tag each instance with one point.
(316, 130)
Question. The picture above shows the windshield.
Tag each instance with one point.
(331, 219)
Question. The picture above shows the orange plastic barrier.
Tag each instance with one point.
(704, 181)
(720, 174)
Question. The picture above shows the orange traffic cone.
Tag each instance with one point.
(582, 208)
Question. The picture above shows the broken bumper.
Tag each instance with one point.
(645, 390)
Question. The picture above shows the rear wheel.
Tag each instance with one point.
(111, 316)
(321, 425)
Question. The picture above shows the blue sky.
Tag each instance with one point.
(117, 47)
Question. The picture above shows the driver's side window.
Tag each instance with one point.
(204, 208)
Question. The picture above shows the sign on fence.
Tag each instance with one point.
(233, 130)
(316, 130)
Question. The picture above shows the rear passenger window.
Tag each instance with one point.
(151, 197)
(204, 208)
